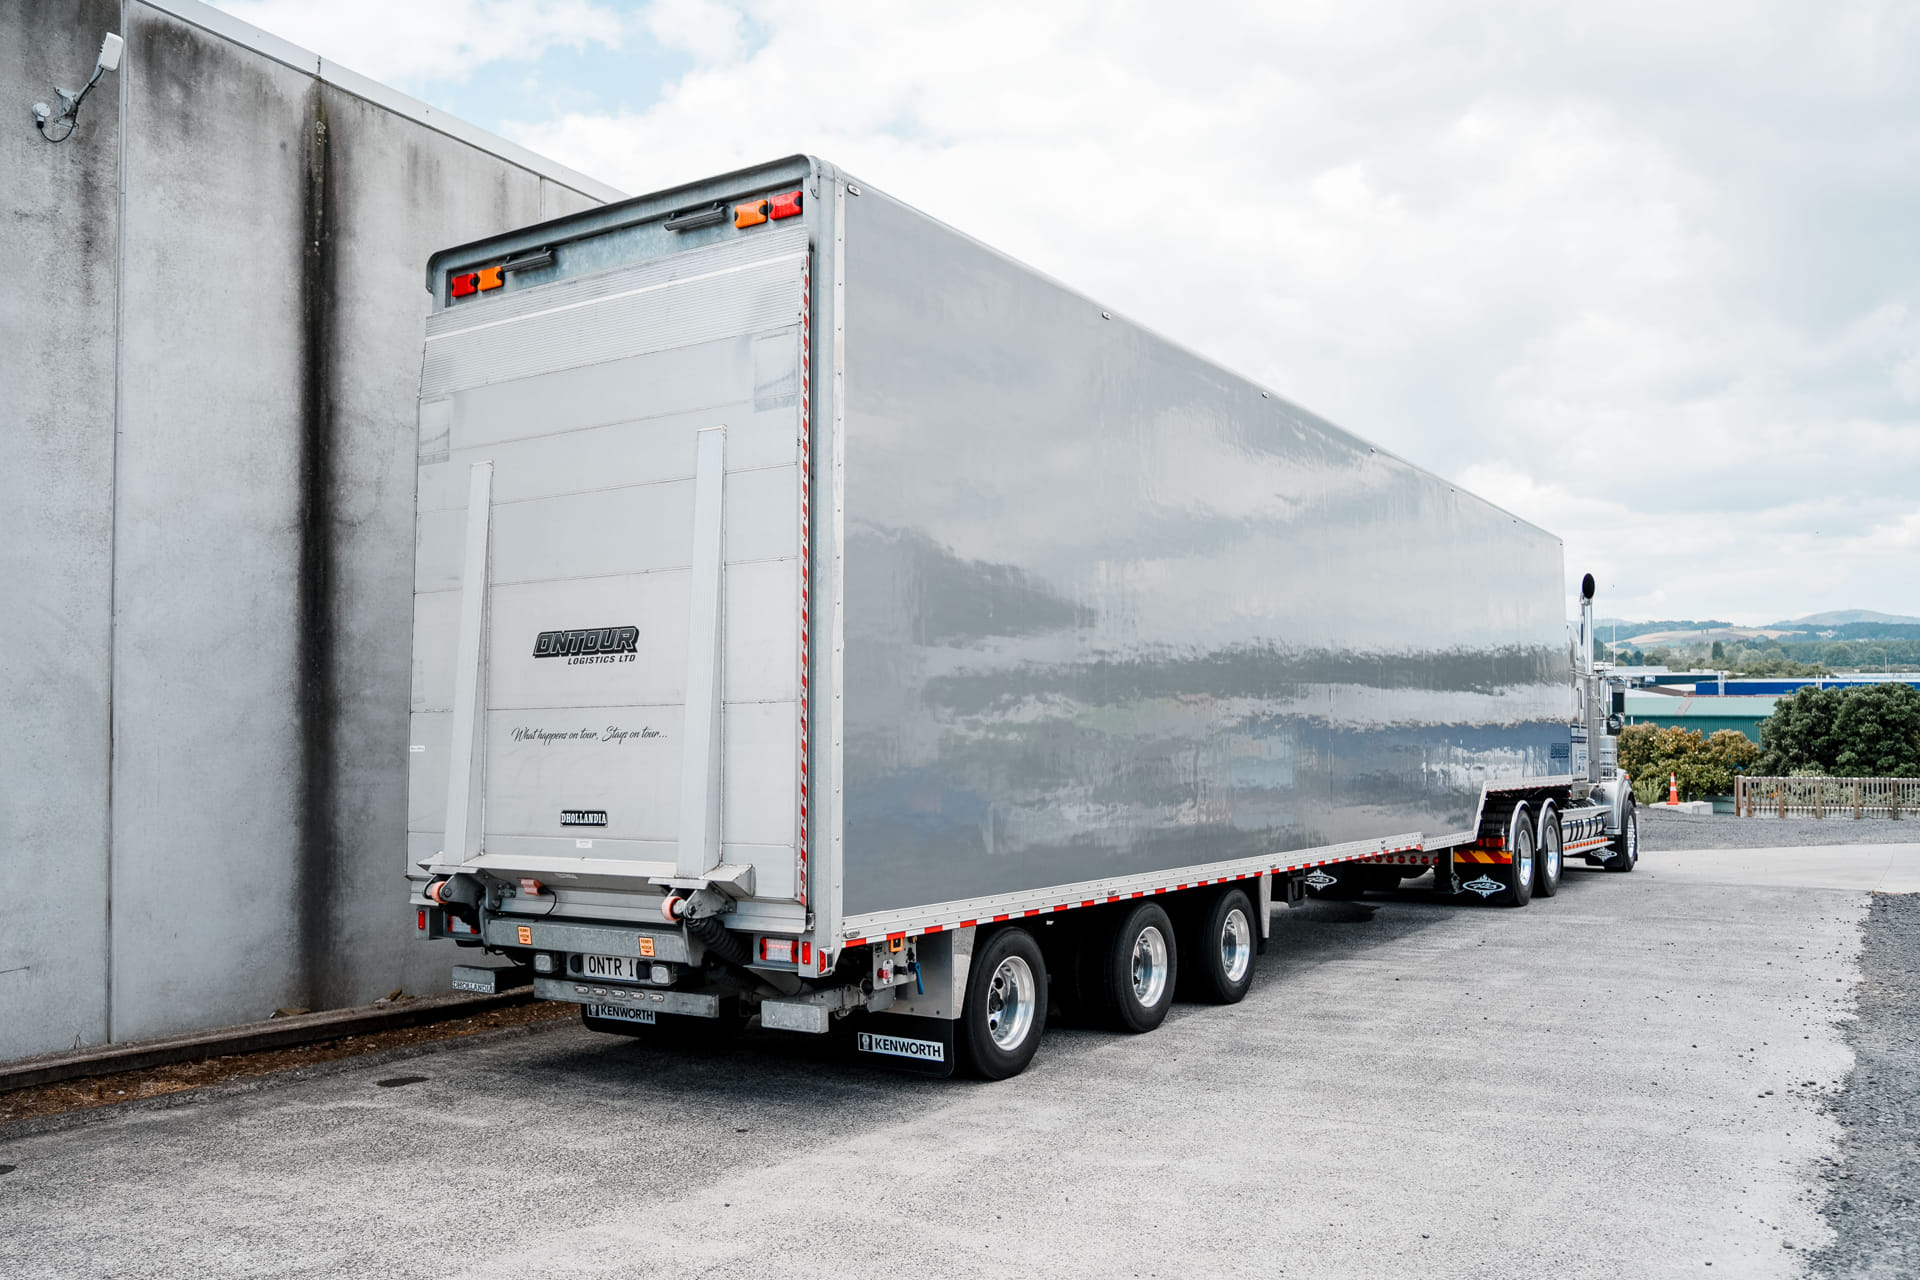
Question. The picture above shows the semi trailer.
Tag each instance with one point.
(822, 618)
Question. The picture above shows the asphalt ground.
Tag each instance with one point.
(1647, 1075)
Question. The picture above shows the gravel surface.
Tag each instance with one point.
(1873, 1183)
(1662, 830)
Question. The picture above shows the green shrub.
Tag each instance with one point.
(1702, 766)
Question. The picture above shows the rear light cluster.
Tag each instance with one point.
(774, 208)
(786, 951)
(748, 213)
(472, 282)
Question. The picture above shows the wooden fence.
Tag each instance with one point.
(1826, 797)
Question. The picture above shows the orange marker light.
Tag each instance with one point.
(750, 214)
(785, 206)
(490, 278)
(466, 284)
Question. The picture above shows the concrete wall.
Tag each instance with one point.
(212, 324)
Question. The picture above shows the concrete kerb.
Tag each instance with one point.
(251, 1037)
(273, 1079)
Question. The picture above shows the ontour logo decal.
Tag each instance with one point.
(1321, 880)
(1485, 886)
(903, 1047)
(593, 644)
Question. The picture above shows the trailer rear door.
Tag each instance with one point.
(562, 437)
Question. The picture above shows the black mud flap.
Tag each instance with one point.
(903, 1042)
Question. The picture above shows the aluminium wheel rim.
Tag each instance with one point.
(1236, 945)
(1522, 855)
(1149, 966)
(1633, 837)
(1554, 850)
(1010, 1003)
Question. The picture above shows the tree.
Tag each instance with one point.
(1878, 730)
(1719, 652)
(1775, 665)
(1871, 732)
(1799, 733)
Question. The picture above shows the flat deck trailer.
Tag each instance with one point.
(822, 617)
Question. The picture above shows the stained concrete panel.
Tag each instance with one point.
(59, 241)
(206, 478)
(210, 731)
(396, 193)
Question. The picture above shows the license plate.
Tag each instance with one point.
(612, 968)
(620, 1013)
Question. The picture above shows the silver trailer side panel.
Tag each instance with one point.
(1112, 610)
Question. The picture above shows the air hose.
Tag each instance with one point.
(716, 937)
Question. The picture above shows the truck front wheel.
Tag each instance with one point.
(1006, 1005)
(1626, 845)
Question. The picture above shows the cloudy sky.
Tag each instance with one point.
(1647, 274)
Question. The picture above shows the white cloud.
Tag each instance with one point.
(1643, 273)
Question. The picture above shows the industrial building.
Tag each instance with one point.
(212, 313)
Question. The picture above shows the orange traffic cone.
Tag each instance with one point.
(1673, 789)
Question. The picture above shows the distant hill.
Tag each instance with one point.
(1840, 617)
(1704, 624)
(1809, 639)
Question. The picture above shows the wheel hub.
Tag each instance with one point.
(1149, 966)
(1236, 945)
(1010, 1003)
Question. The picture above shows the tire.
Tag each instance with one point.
(1626, 845)
(1132, 969)
(1550, 851)
(1006, 1007)
(1518, 873)
(1218, 948)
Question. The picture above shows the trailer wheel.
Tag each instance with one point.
(1219, 944)
(1006, 1005)
(1520, 851)
(1550, 850)
(1134, 967)
(1626, 845)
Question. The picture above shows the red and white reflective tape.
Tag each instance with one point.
(806, 552)
(1023, 913)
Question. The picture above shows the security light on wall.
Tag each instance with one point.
(49, 124)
